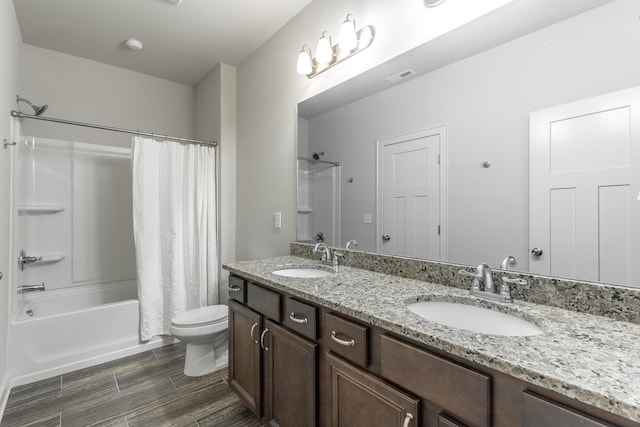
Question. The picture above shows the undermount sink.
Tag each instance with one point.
(475, 319)
(303, 273)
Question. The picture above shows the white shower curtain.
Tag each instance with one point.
(174, 227)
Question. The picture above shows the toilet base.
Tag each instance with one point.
(205, 358)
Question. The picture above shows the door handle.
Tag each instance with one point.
(536, 252)
(386, 237)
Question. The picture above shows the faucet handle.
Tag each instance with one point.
(475, 283)
(468, 273)
(516, 281)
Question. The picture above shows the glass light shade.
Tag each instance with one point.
(304, 62)
(324, 52)
(366, 37)
(348, 39)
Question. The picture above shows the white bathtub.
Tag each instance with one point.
(55, 332)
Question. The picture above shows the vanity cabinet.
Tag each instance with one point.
(272, 369)
(297, 364)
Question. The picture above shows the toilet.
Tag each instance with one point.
(205, 331)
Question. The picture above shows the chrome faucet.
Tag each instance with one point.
(351, 242)
(327, 251)
(30, 288)
(329, 257)
(482, 284)
(509, 261)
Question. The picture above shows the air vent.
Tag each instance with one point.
(402, 75)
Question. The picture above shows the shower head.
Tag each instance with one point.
(37, 110)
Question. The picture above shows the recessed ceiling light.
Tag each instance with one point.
(176, 2)
(134, 44)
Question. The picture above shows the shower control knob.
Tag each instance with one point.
(536, 252)
(386, 237)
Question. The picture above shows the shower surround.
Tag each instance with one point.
(71, 217)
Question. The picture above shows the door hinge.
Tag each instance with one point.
(438, 158)
(438, 230)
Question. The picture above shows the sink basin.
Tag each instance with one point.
(304, 273)
(474, 319)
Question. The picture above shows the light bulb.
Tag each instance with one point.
(304, 61)
(324, 52)
(348, 39)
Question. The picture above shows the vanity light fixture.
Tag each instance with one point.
(349, 43)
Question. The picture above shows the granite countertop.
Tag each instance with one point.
(590, 358)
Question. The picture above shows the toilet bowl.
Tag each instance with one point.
(205, 331)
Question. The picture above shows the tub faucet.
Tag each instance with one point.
(30, 288)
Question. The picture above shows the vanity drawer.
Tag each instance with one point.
(347, 338)
(458, 390)
(301, 318)
(539, 411)
(237, 289)
(264, 301)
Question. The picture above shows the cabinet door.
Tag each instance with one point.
(290, 378)
(359, 399)
(245, 375)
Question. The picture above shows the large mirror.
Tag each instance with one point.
(465, 112)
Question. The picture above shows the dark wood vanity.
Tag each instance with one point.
(298, 364)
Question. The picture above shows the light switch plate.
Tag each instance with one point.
(277, 220)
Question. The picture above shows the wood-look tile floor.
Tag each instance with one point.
(147, 389)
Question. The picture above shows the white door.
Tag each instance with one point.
(411, 194)
(584, 208)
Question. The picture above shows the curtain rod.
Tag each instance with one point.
(319, 161)
(21, 115)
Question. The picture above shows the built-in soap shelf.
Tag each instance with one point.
(39, 209)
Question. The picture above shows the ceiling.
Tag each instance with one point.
(181, 43)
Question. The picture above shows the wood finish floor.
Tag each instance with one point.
(147, 389)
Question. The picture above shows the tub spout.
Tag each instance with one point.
(30, 288)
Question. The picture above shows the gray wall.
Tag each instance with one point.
(485, 101)
(216, 120)
(88, 91)
(10, 55)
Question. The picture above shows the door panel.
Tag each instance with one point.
(584, 179)
(411, 195)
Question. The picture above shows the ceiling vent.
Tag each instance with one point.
(402, 75)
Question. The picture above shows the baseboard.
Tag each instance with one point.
(5, 389)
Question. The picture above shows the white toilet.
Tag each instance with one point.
(205, 331)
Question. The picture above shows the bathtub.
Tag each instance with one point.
(54, 332)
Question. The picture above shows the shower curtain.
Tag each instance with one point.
(174, 226)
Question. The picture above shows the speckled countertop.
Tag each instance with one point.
(593, 359)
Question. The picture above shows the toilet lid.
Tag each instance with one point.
(201, 316)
